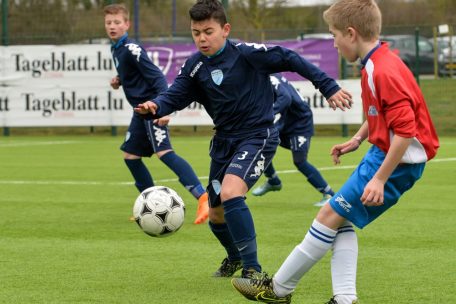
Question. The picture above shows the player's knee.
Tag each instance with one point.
(216, 215)
(130, 156)
(161, 153)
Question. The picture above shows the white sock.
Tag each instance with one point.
(343, 264)
(316, 243)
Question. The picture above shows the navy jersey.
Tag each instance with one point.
(293, 115)
(139, 77)
(234, 85)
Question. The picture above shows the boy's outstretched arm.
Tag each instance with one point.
(350, 145)
(146, 108)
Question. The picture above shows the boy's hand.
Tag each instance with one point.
(341, 149)
(373, 194)
(115, 82)
(342, 99)
(162, 121)
(146, 107)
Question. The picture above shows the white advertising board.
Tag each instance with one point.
(68, 85)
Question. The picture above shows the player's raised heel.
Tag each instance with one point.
(202, 213)
(265, 188)
(228, 268)
(259, 288)
(324, 200)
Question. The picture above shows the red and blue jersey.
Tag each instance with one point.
(394, 105)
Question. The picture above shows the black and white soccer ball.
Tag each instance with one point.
(159, 211)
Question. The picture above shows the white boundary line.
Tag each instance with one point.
(106, 183)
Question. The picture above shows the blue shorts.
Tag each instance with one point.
(298, 144)
(145, 138)
(347, 202)
(245, 156)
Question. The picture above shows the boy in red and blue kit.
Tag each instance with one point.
(403, 138)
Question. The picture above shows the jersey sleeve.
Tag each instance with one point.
(150, 72)
(282, 97)
(397, 105)
(179, 95)
(278, 59)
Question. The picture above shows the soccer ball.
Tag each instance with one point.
(159, 211)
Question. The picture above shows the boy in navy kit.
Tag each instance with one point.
(294, 120)
(403, 138)
(142, 80)
(232, 82)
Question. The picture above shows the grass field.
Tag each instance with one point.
(65, 235)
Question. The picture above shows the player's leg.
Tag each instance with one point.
(134, 147)
(160, 140)
(300, 146)
(245, 168)
(273, 182)
(232, 262)
(344, 264)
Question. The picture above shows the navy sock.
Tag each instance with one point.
(270, 173)
(314, 177)
(141, 174)
(222, 233)
(240, 223)
(184, 171)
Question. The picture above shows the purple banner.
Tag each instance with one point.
(170, 57)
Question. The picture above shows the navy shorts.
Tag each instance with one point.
(145, 138)
(245, 156)
(347, 202)
(298, 144)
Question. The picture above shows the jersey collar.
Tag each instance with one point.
(119, 42)
(218, 52)
(366, 58)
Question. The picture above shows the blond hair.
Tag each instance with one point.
(363, 15)
(114, 9)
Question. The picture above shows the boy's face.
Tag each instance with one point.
(345, 44)
(209, 35)
(116, 26)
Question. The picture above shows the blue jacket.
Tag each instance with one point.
(293, 115)
(139, 77)
(234, 85)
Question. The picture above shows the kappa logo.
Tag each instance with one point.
(259, 168)
(217, 76)
(134, 49)
(343, 203)
(372, 111)
(274, 81)
(162, 57)
(301, 140)
(196, 68)
(277, 117)
(159, 135)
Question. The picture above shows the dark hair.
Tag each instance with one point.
(207, 9)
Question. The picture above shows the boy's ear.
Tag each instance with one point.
(226, 30)
(352, 33)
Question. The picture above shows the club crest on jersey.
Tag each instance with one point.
(217, 76)
(372, 111)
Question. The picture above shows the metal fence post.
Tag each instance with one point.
(417, 55)
(5, 42)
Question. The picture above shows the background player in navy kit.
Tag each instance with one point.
(232, 82)
(294, 120)
(142, 80)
